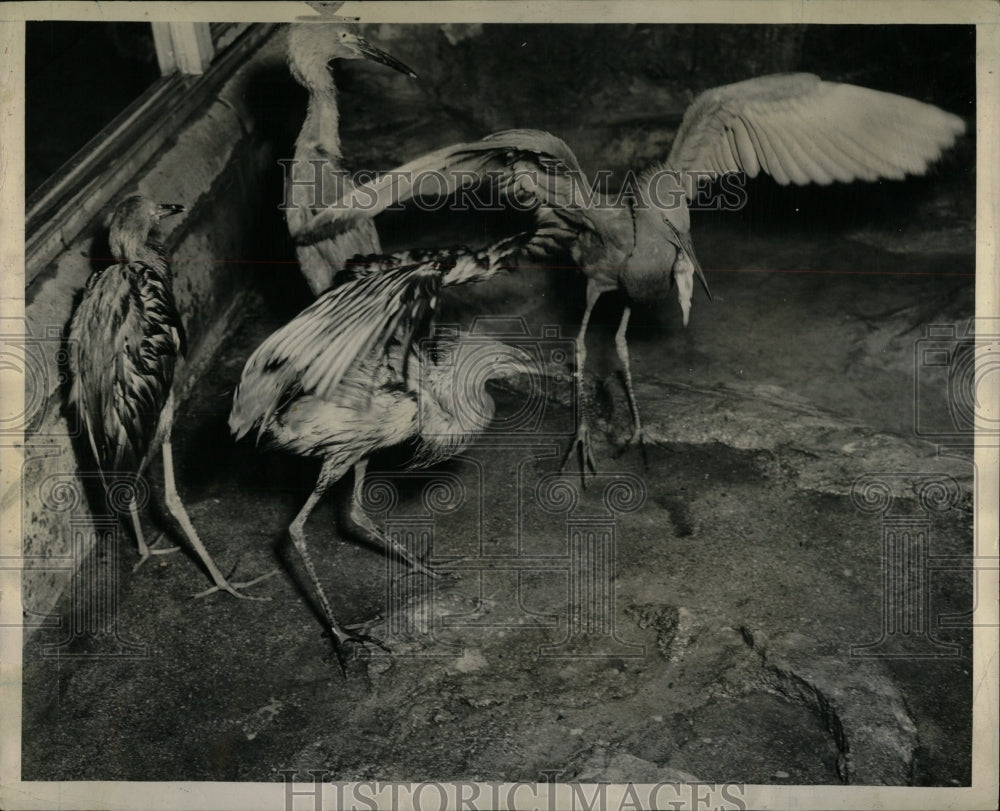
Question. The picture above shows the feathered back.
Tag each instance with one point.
(129, 334)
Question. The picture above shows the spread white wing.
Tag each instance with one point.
(800, 129)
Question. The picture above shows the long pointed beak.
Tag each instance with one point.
(703, 280)
(168, 209)
(369, 51)
(688, 248)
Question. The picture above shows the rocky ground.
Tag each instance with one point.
(745, 575)
(708, 614)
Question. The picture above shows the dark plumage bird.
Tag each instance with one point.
(794, 127)
(343, 379)
(129, 336)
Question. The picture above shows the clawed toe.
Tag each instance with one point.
(581, 444)
(234, 588)
(342, 636)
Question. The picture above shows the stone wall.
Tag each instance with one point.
(216, 166)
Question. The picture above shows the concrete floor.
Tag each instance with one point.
(744, 571)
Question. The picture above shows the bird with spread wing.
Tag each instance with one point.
(350, 376)
(794, 127)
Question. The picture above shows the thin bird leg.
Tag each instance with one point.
(145, 552)
(364, 524)
(328, 475)
(176, 508)
(622, 346)
(581, 442)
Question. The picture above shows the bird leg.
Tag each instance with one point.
(176, 508)
(145, 552)
(621, 344)
(365, 526)
(329, 474)
(581, 442)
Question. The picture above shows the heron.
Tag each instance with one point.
(317, 160)
(128, 336)
(795, 127)
(346, 378)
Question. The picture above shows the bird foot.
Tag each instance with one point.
(364, 525)
(581, 444)
(148, 552)
(353, 634)
(638, 438)
(234, 588)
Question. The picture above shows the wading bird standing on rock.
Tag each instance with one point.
(129, 335)
(316, 168)
(794, 127)
(343, 379)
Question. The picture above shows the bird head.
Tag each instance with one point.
(133, 220)
(663, 241)
(313, 46)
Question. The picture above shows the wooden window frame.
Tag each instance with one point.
(197, 59)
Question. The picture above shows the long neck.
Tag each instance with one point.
(452, 415)
(318, 140)
(320, 134)
(127, 247)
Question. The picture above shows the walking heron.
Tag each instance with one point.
(345, 379)
(316, 166)
(129, 335)
(794, 127)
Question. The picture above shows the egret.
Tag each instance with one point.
(128, 336)
(317, 161)
(345, 379)
(794, 127)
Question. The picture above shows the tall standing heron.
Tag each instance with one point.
(795, 127)
(128, 336)
(315, 171)
(345, 379)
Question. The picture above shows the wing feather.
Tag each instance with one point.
(745, 152)
(809, 165)
(127, 334)
(535, 165)
(800, 129)
(379, 301)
